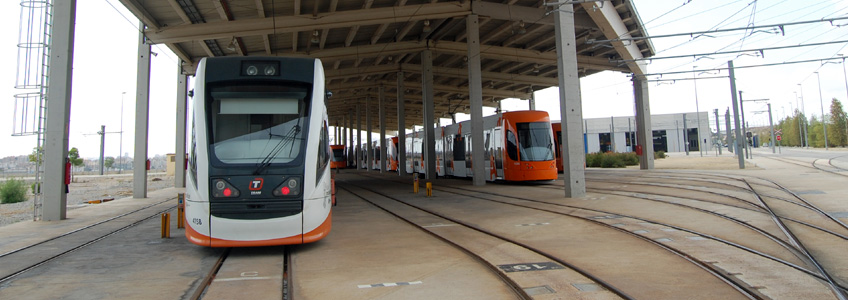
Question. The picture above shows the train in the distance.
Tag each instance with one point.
(517, 146)
(259, 167)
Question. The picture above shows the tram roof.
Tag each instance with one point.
(364, 43)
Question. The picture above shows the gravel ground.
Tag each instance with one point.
(86, 188)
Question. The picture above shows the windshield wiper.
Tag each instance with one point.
(289, 137)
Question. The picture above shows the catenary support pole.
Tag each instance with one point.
(142, 117)
(475, 94)
(744, 127)
(382, 109)
(57, 125)
(573, 156)
(427, 93)
(644, 137)
(738, 141)
(180, 143)
(718, 132)
(369, 150)
(771, 124)
(401, 114)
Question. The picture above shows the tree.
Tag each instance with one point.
(34, 156)
(109, 161)
(73, 154)
(838, 131)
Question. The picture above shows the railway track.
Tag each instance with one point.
(597, 218)
(829, 168)
(30, 257)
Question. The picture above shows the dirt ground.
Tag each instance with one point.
(86, 188)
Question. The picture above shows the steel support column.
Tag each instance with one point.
(382, 109)
(142, 114)
(180, 151)
(57, 125)
(644, 134)
(475, 98)
(401, 113)
(573, 156)
(427, 95)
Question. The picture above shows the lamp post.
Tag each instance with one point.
(821, 101)
(121, 134)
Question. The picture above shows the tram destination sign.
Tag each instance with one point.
(530, 267)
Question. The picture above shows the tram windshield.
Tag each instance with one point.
(257, 124)
(338, 154)
(534, 140)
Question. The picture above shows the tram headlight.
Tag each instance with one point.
(251, 70)
(223, 189)
(260, 68)
(289, 187)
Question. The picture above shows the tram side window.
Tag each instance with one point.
(192, 162)
(511, 145)
(323, 153)
(458, 148)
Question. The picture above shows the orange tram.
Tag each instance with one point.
(518, 146)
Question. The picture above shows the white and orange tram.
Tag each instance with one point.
(259, 169)
(518, 146)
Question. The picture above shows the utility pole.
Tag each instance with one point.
(102, 134)
(718, 131)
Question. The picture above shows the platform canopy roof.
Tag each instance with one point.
(365, 43)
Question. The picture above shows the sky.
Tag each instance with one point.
(106, 47)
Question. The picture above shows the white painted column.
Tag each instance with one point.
(644, 134)
(475, 95)
(180, 151)
(427, 93)
(573, 156)
(401, 113)
(142, 113)
(57, 124)
(382, 109)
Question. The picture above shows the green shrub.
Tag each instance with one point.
(630, 158)
(609, 160)
(13, 191)
(659, 154)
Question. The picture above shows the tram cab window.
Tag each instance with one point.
(535, 141)
(250, 122)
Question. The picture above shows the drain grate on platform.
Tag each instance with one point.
(588, 287)
(539, 290)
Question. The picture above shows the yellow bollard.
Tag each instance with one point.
(429, 189)
(415, 183)
(166, 225)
